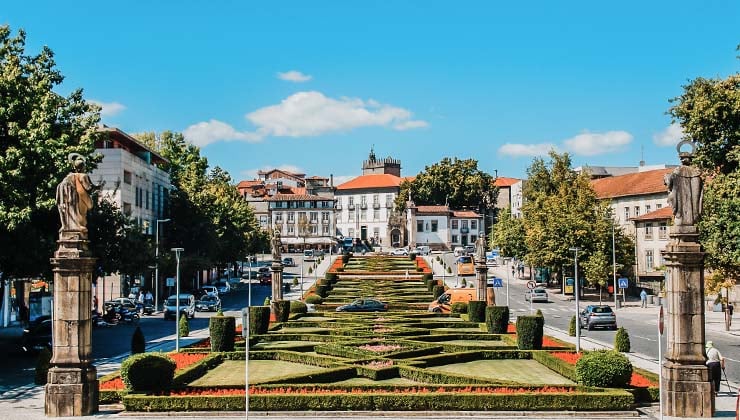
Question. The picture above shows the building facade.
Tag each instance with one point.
(304, 221)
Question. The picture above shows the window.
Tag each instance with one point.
(420, 226)
(363, 214)
(647, 208)
(376, 233)
(290, 230)
(127, 177)
(454, 239)
(363, 200)
(376, 214)
(314, 216)
(454, 226)
(351, 216)
(434, 225)
(464, 224)
(127, 209)
(473, 238)
(325, 216)
(648, 231)
(325, 230)
(626, 213)
(351, 201)
(474, 224)
(376, 199)
(314, 230)
(662, 230)
(658, 206)
(263, 220)
(649, 260)
(351, 233)
(291, 216)
(146, 200)
(279, 217)
(637, 211)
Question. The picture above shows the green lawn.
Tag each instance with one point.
(231, 372)
(524, 371)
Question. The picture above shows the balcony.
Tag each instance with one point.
(389, 204)
(464, 230)
(350, 207)
(376, 206)
(363, 206)
(324, 221)
(314, 221)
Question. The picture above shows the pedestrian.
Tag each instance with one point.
(643, 299)
(521, 270)
(715, 363)
(140, 301)
(513, 271)
(148, 298)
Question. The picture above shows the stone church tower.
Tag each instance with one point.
(374, 166)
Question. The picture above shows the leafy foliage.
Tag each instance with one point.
(138, 342)
(298, 307)
(148, 372)
(508, 235)
(497, 319)
(604, 368)
(259, 319)
(572, 326)
(222, 330)
(622, 340)
(529, 330)
(183, 326)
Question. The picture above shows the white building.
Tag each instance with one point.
(305, 221)
(441, 228)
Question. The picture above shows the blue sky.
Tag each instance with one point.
(311, 86)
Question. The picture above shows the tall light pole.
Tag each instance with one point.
(614, 267)
(177, 252)
(506, 268)
(156, 266)
(578, 306)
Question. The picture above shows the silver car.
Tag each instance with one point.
(538, 294)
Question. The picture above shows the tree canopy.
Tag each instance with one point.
(508, 235)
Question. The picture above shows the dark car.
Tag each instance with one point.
(37, 336)
(265, 278)
(210, 303)
(288, 262)
(598, 316)
(364, 305)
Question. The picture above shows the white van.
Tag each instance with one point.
(423, 250)
(308, 255)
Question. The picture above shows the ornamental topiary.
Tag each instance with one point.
(459, 308)
(313, 299)
(449, 269)
(529, 330)
(497, 319)
(259, 319)
(322, 290)
(184, 327)
(477, 310)
(222, 330)
(281, 309)
(604, 368)
(437, 291)
(148, 372)
(622, 341)
(427, 276)
(572, 326)
(464, 282)
(298, 307)
(295, 281)
(310, 270)
(539, 313)
(345, 257)
(138, 342)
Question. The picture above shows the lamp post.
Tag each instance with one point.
(156, 266)
(614, 267)
(177, 252)
(575, 249)
(506, 265)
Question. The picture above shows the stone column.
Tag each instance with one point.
(277, 285)
(72, 387)
(687, 390)
(480, 275)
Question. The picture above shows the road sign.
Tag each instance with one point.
(660, 320)
(623, 282)
(497, 282)
(531, 284)
(170, 281)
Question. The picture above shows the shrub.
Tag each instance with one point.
(259, 319)
(437, 258)
(298, 307)
(449, 270)
(282, 310)
(321, 290)
(539, 313)
(419, 269)
(431, 284)
(459, 308)
(222, 330)
(572, 326)
(148, 372)
(622, 340)
(138, 342)
(184, 327)
(477, 310)
(266, 302)
(313, 299)
(529, 332)
(295, 281)
(463, 282)
(42, 367)
(497, 319)
(310, 270)
(412, 256)
(427, 276)
(604, 368)
(437, 291)
(340, 269)
(345, 258)
(330, 277)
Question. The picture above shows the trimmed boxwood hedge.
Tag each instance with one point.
(529, 330)
(477, 310)
(281, 309)
(259, 319)
(222, 330)
(605, 368)
(497, 319)
(150, 372)
(437, 291)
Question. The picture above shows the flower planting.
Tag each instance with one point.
(381, 348)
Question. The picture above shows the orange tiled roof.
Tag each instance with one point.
(432, 209)
(298, 197)
(639, 183)
(660, 214)
(469, 214)
(371, 181)
(247, 184)
(503, 181)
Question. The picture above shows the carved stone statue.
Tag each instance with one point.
(276, 244)
(73, 198)
(685, 190)
(480, 248)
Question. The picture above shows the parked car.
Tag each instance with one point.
(208, 303)
(223, 287)
(265, 278)
(208, 290)
(364, 305)
(459, 251)
(443, 304)
(308, 255)
(423, 250)
(37, 336)
(127, 303)
(187, 306)
(400, 251)
(288, 262)
(598, 316)
(538, 294)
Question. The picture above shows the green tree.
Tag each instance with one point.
(708, 111)
(508, 235)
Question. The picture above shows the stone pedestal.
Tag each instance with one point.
(687, 392)
(277, 280)
(480, 274)
(72, 388)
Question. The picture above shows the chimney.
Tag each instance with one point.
(331, 180)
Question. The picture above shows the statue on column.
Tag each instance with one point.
(73, 199)
(480, 248)
(685, 189)
(276, 245)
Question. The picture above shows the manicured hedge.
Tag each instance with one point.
(555, 364)
(477, 310)
(222, 330)
(281, 309)
(605, 368)
(437, 291)
(148, 372)
(497, 319)
(529, 330)
(259, 319)
(196, 370)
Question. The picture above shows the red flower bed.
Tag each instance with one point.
(115, 384)
(511, 328)
(183, 360)
(548, 342)
(567, 357)
(639, 381)
(412, 390)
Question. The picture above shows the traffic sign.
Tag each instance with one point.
(660, 320)
(170, 281)
(531, 284)
(623, 282)
(497, 282)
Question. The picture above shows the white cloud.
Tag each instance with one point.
(591, 144)
(306, 114)
(252, 173)
(670, 136)
(109, 109)
(526, 150)
(294, 76)
(207, 132)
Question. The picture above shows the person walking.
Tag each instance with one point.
(643, 299)
(715, 363)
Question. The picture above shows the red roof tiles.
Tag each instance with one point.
(503, 181)
(639, 183)
(432, 209)
(371, 181)
(660, 214)
(469, 214)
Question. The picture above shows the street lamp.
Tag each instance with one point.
(614, 266)
(156, 266)
(506, 268)
(177, 252)
(575, 249)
